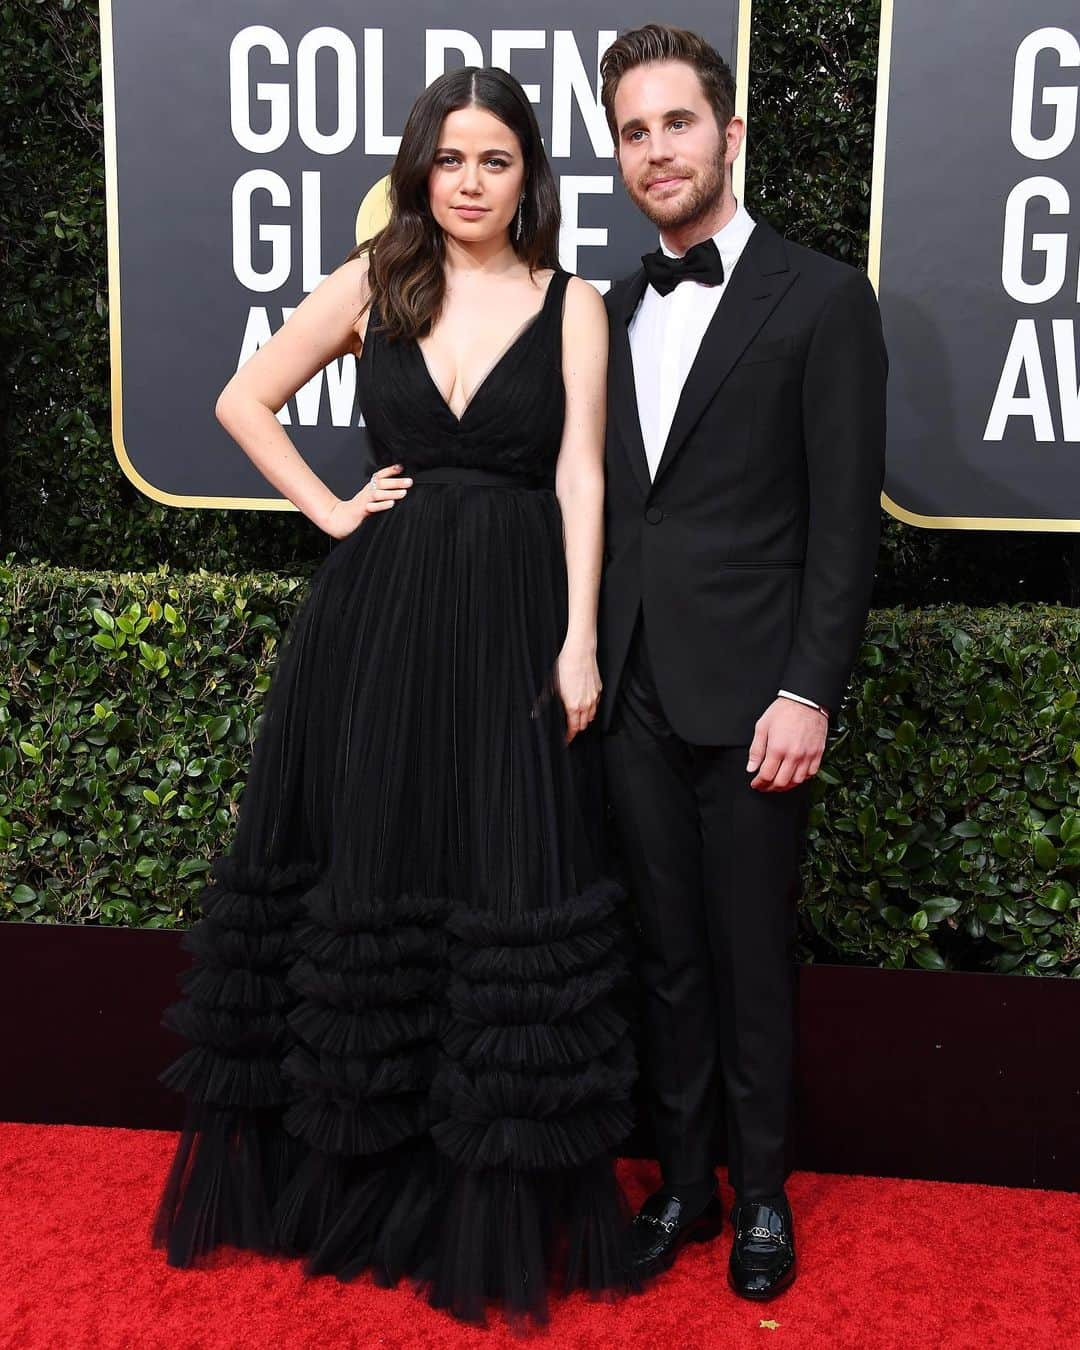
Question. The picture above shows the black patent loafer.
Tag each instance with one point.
(663, 1226)
(762, 1262)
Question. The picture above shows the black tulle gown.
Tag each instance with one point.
(408, 1053)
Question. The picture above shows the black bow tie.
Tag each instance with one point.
(700, 263)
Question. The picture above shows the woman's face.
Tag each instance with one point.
(477, 176)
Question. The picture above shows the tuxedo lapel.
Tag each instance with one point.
(760, 278)
(624, 413)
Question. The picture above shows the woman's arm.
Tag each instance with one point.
(320, 330)
(579, 484)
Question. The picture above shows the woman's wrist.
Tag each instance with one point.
(323, 519)
(583, 642)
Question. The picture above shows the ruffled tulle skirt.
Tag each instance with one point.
(408, 1047)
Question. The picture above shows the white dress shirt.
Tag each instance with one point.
(665, 334)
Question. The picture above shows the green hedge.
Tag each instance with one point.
(945, 831)
(127, 712)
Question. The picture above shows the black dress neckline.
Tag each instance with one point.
(503, 356)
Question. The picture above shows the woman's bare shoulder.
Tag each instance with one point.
(584, 303)
(353, 290)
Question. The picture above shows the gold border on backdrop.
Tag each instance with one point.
(742, 92)
(873, 267)
(108, 96)
(112, 216)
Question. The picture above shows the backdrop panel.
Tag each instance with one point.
(975, 251)
(247, 147)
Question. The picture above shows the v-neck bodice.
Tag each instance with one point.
(511, 423)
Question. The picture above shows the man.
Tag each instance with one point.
(744, 467)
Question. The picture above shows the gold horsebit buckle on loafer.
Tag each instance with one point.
(765, 1233)
(668, 1225)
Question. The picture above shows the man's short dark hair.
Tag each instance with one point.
(661, 42)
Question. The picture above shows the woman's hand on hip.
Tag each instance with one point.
(379, 493)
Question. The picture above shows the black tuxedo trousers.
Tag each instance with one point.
(713, 866)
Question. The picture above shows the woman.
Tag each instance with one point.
(405, 1053)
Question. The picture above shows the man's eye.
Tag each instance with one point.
(679, 122)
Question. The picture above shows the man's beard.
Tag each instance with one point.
(703, 197)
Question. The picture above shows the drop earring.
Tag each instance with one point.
(517, 230)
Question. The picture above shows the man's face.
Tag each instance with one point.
(672, 155)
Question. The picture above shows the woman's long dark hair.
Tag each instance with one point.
(406, 257)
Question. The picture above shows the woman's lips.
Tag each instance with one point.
(471, 212)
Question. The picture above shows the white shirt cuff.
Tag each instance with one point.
(786, 693)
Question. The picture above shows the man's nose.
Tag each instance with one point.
(659, 148)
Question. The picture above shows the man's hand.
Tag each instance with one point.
(789, 740)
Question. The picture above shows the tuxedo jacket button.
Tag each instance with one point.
(654, 515)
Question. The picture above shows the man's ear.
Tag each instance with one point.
(739, 125)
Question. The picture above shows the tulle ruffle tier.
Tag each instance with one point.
(409, 1088)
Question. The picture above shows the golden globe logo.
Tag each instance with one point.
(374, 211)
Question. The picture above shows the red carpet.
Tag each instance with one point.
(882, 1263)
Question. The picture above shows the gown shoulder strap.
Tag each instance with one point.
(553, 307)
(557, 289)
(369, 332)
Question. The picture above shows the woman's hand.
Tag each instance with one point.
(578, 679)
(378, 494)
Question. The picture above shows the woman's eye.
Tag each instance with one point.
(452, 161)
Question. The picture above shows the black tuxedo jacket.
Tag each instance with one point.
(752, 552)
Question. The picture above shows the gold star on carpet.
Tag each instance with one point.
(770, 1325)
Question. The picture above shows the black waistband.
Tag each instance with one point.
(455, 473)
